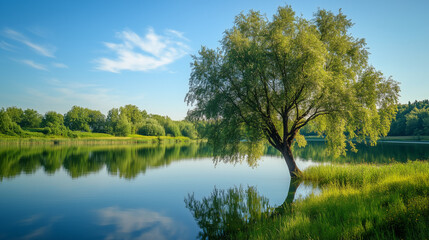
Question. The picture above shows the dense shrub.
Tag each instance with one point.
(7, 126)
(15, 114)
(172, 129)
(77, 119)
(31, 119)
(134, 116)
(151, 127)
(53, 124)
(123, 127)
(187, 129)
(97, 121)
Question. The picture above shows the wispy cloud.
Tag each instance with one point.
(177, 34)
(19, 37)
(6, 46)
(59, 65)
(142, 54)
(33, 64)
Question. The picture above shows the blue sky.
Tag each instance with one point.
(105, 54)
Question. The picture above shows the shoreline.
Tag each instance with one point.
(96, 141)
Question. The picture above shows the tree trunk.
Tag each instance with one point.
(290, 161)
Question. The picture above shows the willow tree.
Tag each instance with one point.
(271, 78)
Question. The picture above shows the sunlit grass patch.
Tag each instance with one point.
(358, 202)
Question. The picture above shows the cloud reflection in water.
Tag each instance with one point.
(138, 224)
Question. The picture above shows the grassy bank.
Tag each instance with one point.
(357, 202)
(88, 139)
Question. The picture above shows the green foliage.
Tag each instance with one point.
(187, 129)
(118, 124)
(84, 119)
(151, 127)
(202, 128)
(123, 127)
(171, 127)
(111, 120)
(52, 118)
(15, 114)
(77, 119)
(418, 122)
(271, 78)
(7, 126)
(134, 116)
(31, 119)
(97, 121)
(411, 119)
(125, 120)
(53, 124)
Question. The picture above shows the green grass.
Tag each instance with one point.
(35, 136)
(357, 202)
(91, 135)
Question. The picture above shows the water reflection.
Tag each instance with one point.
(128, 161)
(39, 226)
(138, 224)
(383, 152)
(151, 206)
(228, 214)
(125, 161)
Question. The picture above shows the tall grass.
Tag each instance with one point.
(357, 202)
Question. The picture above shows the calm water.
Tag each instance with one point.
(141, 192)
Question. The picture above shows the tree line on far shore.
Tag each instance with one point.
(122, 121)
(412, 119)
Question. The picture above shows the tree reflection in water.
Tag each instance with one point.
(127, 161)
(228, 214)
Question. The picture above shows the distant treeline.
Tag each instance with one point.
(122, 121)
(412, 119)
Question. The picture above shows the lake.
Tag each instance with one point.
(142, 191)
